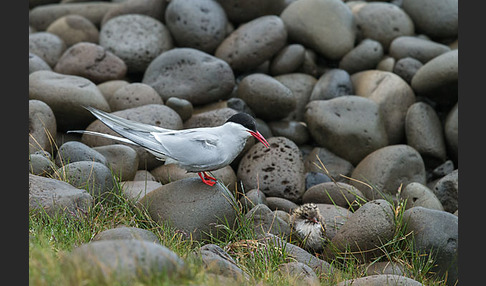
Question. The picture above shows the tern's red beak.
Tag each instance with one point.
(260, 138)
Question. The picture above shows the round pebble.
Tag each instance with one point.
(151, 8)
(414, 47)
(418, 195)
(190, 74)
(73, 29)
(91, 61)
(133, 95)
(124, 232)
(340, 194)
(136, 39)
(47, 46)
(287, 60)
(333, 83)
(74, 151)
(42, 126)
(94, 177)
(199, 24)
(324, 161)
(36, 63)
(365, 56)
(122, 160)
(406, 68)
(451, 132)
(301, 85)
(183, 107)
(293, 130)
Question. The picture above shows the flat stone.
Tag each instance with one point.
(340, 194)
(420, 49)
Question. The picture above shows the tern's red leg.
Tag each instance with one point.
(206, 176)
(206, 180)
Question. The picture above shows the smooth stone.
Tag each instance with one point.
(339, 194)
(277, 171)
(326, 26)
(41, 165)
(440, 171)
(42, 126)
(349, 126)
(252, 43)
(74, 151)
(414, 47)
(406, 68)
(241, 11)
(438, 79)
(66, 95)
(108, 88)
(324, 161)
(383, 22)
(386, 169)
(133, 95)
(333, 83)
(386, 64)
(315, 178)
(183, 107)
(121, 159)
(265, 221)
(383, 267)
(424, 133)
(298, 273)
(218, 261)
(437, 19)
(372, 225)
(41, 17)
(239, 105)
(301, 85)
(334, 218)
(209, 118)
(293, 130)
(152, 114)
(381, 279)
(36, 63)
(252, 198)
(451, 132)
(199, 24)
(447, 191)
(192, 207)
(365, 56)
(54, 197)
(144, 176)
(136, 39)
(94, 177)
(276, 203)
(73, 29)
(122, 261)
(151, 8)
(47, 46)
(123, 232)
(287, 60)
(266, 96)
(418, 195)
(91, 61)
(136, 190)
(435, 233)
(393, 96)
(211, 79)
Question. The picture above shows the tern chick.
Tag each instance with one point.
(309, 227)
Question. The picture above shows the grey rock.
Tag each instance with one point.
(123, 233)
(136, 190)
(191, 206)
(183, 107)
(366, 55)
(447, 191)
(349, 126)
(41, 17)
(73, 29)
(406, 68)
(386, 169)
(267, 97)
(36, 63)
(287, 60)
(383, 22)
(122, 260)
(190, 74)
(293, 130)
(209, 118)
(136, 39)
(151, 8)
(324, 161)
(122, 160)
(315, 178)
(418, 195)
(239, 105)
(133, 95)
(109, 88)
(252, 198)
(73, 151)
(436, 234)
(334, 217)
(383, 267)
(299, 273)
(200, 24)
(93, 177)
(265, 221)
(393, 95)
(327, 27)
(381, 279)
(333, 83)
(240, 11)
(143, 175)
(42, 126)
(424, 133)
(414, 47)
(218, 261)
(65, 95)
(437, 19)
(369, 227)
(438, 78)
(47, 46)
(440, 171)
(54, 197)
(386, 64)
(252, 43)
(40, 165)
(301, 85)
(451, 131)
(277, 171)
(340, 194)
(276, 203)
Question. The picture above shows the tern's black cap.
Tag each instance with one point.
(244, 119)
